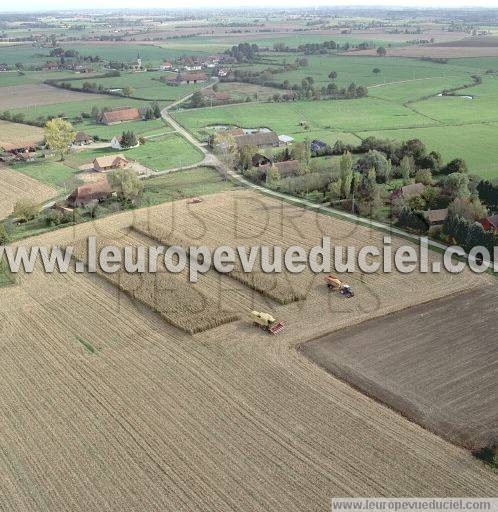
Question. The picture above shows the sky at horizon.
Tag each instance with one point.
(45, 5)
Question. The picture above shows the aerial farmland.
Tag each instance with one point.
(165, 139)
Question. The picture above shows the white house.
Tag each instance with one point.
(285, 140)
(116, 143)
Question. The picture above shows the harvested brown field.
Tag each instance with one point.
(439, 51)
(16, 186)
(436, 363)
(18, 134)
(105, 406)
(477, 42)
(39, 94)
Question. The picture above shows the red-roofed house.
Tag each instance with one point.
(490, 223)
(121, 116)
(89, 193)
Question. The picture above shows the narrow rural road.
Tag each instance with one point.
(410, 80)
(212, 160)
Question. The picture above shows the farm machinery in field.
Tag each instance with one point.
(335, 284)
(266, 322)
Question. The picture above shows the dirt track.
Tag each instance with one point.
(231, 419)
(437, 363)
(442, 52)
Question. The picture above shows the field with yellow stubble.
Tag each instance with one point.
(105, 405)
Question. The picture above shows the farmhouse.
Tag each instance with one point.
(187, 78)
(490, 223)
(19, 148)
(166, 65)
(436, 217)
(258, 160)
(234, 132)
(285, 169)
(51, 65)
(121, 116)
(82, 69)
(317, 145)
(82, 139)
(106, 163)
(285, 140)
(89, 193)
(259, 139)
(408, 191)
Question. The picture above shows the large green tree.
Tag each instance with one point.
(59, 135)
(346, 173)
(125, 183)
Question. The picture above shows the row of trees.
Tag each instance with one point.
(243, 52)
(468, 234)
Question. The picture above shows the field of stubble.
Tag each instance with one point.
(17, 186)
(106, 406)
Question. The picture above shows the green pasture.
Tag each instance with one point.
(108, 132)
(359, 69)
(158, 153)
(416, 89)
(56, 174)
(128, 52)
(289, 39)
(459, 110)
(165, 152)
(475, 143)
(333, 115)
(195, 182)
(72, 109)
(144, 85)
(12, 78)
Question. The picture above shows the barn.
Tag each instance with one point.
(89, 193)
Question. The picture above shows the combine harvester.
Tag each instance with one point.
(267, 322)
(335, 284)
